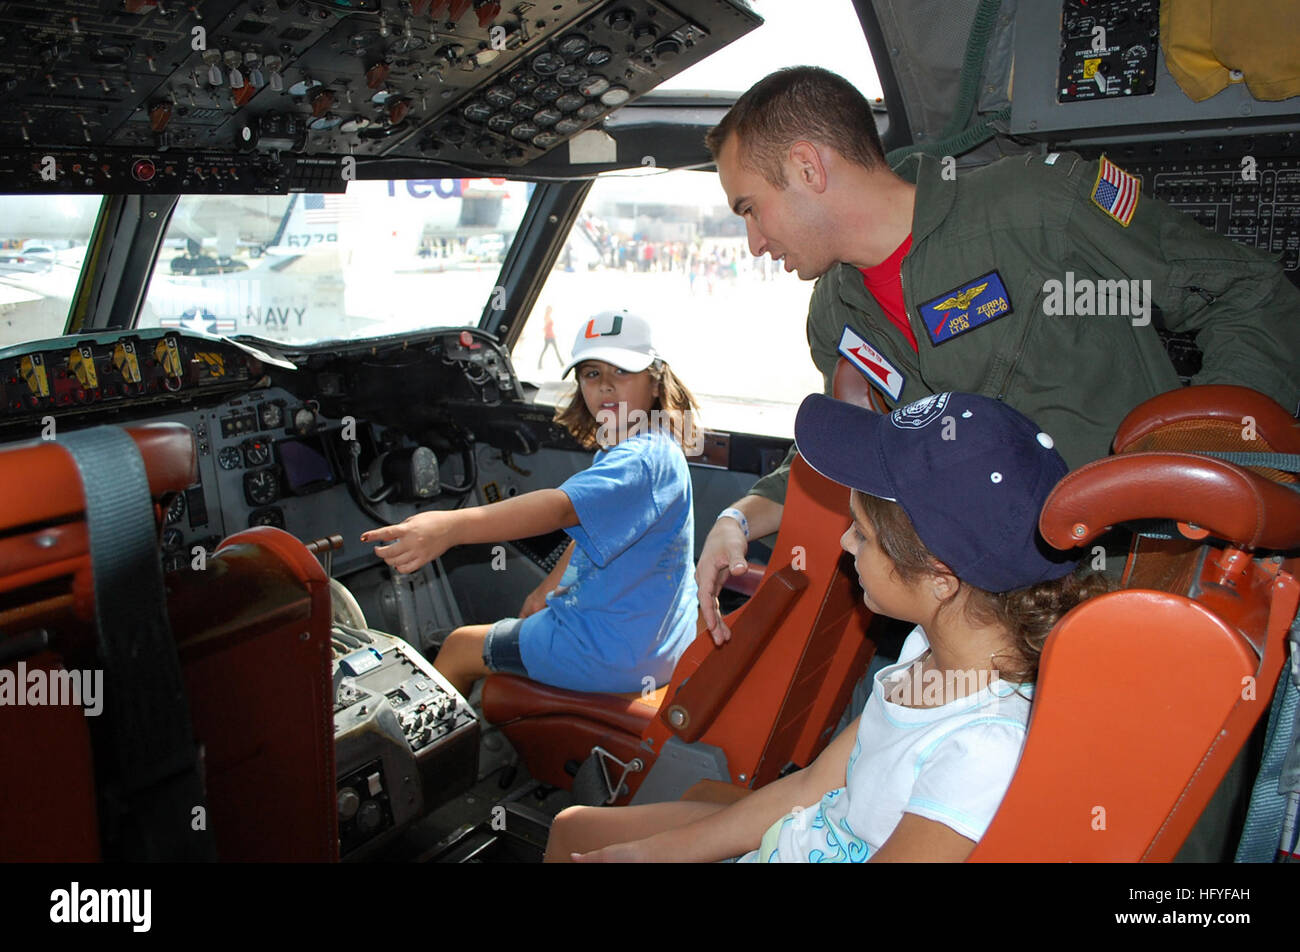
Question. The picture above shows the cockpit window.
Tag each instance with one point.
(43, 241)
(385, 257)
(665, 245)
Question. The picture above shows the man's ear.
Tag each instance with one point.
(808, 167)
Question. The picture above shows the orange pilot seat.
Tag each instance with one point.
(1147, 695)
(770, 696)
(252, 636)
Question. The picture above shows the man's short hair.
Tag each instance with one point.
(798, 102)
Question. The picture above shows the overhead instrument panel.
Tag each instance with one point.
(94, 371)
(249, 89)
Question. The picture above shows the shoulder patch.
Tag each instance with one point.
(976, 302)
(871, 362)
(1116, 192)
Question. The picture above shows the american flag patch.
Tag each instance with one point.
(1116, 192)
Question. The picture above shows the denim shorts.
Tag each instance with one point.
(501, 648)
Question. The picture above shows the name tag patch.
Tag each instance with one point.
(966, 307)
(871, 362)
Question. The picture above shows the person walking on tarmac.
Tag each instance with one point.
(548, 332)
(1031, 280)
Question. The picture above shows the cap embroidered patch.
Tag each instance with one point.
(920, 413)
(871, 362)
(966, 307)
(1116, 192)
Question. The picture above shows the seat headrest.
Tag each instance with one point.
(1227, 501)
(851, 386)
(1216, 418)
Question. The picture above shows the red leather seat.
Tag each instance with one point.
(252, 636)
(1146, 695)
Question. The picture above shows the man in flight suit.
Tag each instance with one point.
(1031, 280)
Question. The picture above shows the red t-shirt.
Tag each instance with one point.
(885, 283)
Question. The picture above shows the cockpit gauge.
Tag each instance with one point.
(501, 122)
(302, 87)
(524, 131)
(615, 96)
(355, 124)
(573, 45)
(598, 56)
(261, 487)
(547, 117)
(570, 75)
(175, 508)
(548, 92)
(271, 415)
(547, 64)
(257, 452)
(590, 111)
(267, 516)
(500, 96)
(567, 127)
(523, 81)
(477, 111)
(569, 102)
(547, 140)
(593, 85)
(230, 457)
(172, 540)
(325, 123)
(524, 108)
(304, 421)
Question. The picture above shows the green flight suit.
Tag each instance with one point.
(1033, 221)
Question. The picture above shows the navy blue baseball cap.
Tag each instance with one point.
(971, 473)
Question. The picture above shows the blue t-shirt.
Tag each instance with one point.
(626, 607)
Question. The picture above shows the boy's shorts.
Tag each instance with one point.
(501, 648)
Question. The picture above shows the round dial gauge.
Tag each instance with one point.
(501, 122)
(257, 452)
(500, 96)
(271, 415)
(261, 487)
(590, 111)
(567, 127)
(523, 81)
(325, 123)
(355, 124)
(523, 108)
(172, 540)
(569, 102)
(575, 44)
(547, 140)
(615, 96)
(524, 131)
(598, 56)
(547, 117)
(547, 64)
(267, 516)
(593, 85)
(570, 75)
(548, 92)
(176, 508)
(230, 457)
(477, 112)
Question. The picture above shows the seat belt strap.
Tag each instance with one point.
(151, 792)
(1276, 793)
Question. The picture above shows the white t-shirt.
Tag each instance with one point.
(951, 764)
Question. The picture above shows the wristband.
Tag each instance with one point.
(739, 517)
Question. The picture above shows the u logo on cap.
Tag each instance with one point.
(612, 332)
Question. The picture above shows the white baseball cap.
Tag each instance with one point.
(620, 338)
